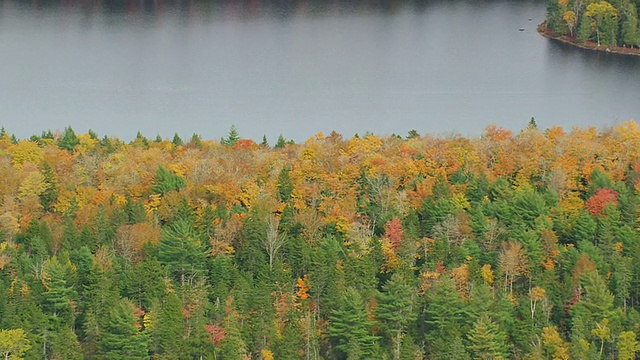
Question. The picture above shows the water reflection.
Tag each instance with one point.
(225, 9)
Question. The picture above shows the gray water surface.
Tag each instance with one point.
(298, 67)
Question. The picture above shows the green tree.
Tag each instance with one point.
(446, 314)
(604, 18)
(413, 134)
(177, 141)
(69, 140)
(147, 283)
(487, 341)
(232, 346)
(181, 251)
(167, 181)
(595, 313)
(584, 29)
(49, 196)
(232, 138)
(350, 327)
(166, 327)
(57, 298)
(196, 141)
(280, 143)
(121, 338)
(630, 31)
(64, 345)
(284, 185)
(396, 309)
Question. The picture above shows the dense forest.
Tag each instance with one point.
(613, 23)
(505, 246)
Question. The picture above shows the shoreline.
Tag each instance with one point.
(588, 45)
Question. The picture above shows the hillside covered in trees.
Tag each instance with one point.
(506, 246)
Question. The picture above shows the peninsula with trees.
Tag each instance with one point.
(595, 25)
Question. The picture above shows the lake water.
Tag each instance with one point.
(298, 67)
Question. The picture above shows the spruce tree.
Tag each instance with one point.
(167, 181)
(350, 327)
(69, 140)
(121, 338)
(487, 341)
(396, 309)
(181, 251)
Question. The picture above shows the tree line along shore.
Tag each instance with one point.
(511, 245)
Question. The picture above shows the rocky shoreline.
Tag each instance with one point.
(588, 45)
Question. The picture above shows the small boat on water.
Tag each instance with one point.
(521, 29)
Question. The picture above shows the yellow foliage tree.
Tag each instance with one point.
(26, 152)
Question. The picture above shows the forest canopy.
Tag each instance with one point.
(519, 245)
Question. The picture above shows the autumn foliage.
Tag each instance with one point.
(511, 244)
(602, 197)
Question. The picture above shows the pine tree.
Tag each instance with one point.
(167, 181)
(281, 143)
(232, 346)
(181, 251)
(49, 196)
(396, 309)
(232, 138)
(487, 341)
(446, 314)
(69, 140)
(167, 332)
(284, 185)
(121, 338)
(177, 141)
(57, 298)
(350, 327)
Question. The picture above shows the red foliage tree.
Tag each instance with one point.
(217, 333)
(245, 144)
(393, 232)
(596, 203)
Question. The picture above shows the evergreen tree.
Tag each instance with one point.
(165, 323)
(147, 283)
(281, 143)
(57, 298)
(196, 141)
(69, 140)
(167, 181)
(446, 315)
(487, 341)
(177, 141)
(232, 346)
(596, 308)
(396, 309)
(50, 194)
(121, 338)
(232, 138)
(181, 251)
(350, 327)
(285, 185)
(64, 345)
